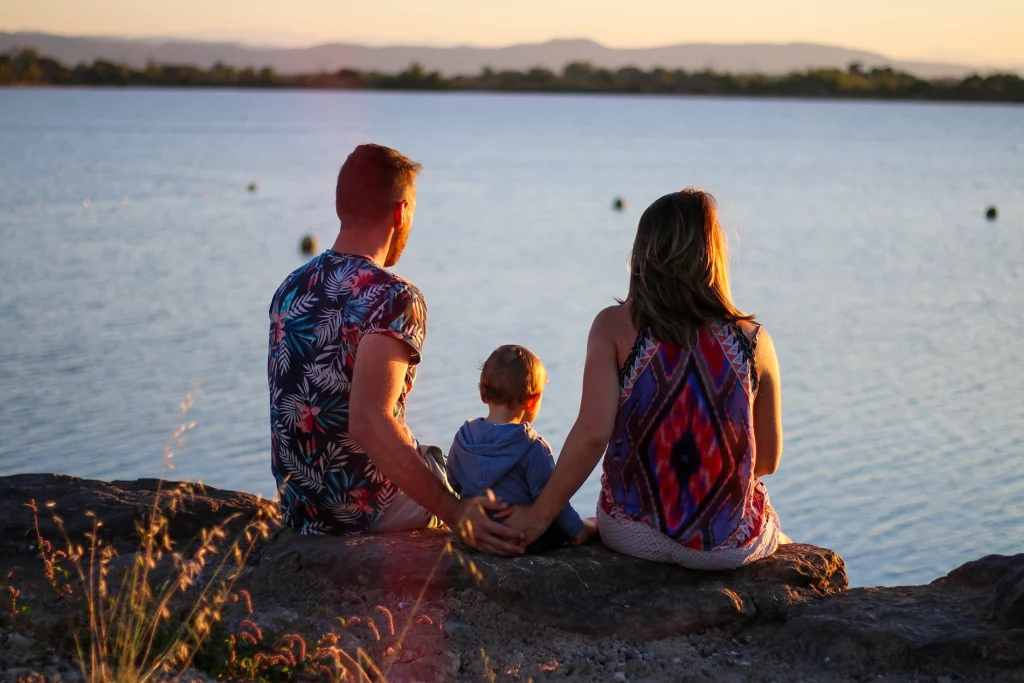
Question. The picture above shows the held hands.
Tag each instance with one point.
(478, 530)
(589, 529)
(524, 519)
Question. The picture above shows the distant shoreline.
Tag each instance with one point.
(512, 93)
(28, 69)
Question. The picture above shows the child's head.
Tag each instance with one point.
(513, 377)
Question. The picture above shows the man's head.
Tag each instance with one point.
(377, 191)
(514, 377)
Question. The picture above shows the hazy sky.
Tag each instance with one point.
(979, 31)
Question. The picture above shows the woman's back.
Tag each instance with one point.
(681, 456)
(681, 396)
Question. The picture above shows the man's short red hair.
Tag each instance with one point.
(371, 181)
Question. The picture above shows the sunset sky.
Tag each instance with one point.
(976, 31)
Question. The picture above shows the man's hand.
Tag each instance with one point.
(524, 518)
(478, 530)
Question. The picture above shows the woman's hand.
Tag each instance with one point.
(589, 529)
(526, 520)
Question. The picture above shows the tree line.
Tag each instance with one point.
(27, 67)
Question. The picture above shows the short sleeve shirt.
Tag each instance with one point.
(326, 481)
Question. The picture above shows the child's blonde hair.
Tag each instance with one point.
(511, 375)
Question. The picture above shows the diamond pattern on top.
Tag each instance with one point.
(681, 456)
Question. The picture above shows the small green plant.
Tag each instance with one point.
(12, 609)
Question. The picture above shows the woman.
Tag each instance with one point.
(681, 394)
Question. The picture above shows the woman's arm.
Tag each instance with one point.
(589, 435)
(767, 408)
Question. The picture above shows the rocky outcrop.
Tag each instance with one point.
(588, 589)
(585, 610)
(1007, 598)
(973, 613)
(118, 504)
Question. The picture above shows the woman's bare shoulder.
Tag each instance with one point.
(751, 328)
(615, 321)
(764, 353)
(615, 324)
(764, 347)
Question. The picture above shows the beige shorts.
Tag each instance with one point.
(405, 514)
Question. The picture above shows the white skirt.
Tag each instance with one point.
(630, 537)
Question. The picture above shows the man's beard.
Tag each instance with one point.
(397, 245)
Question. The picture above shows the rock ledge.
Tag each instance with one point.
(588, 589)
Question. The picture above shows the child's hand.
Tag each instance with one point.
(589, 529)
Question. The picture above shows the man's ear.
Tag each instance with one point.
(401, 211)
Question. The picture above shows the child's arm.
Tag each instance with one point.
(540, 463)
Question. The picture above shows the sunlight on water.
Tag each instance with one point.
(136, 262)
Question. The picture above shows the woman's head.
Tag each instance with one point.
(679, 278)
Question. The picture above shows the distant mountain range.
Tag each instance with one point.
(554, 55)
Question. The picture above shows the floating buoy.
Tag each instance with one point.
(309, 245)
(992, 213)
(251, 187)
(85, 204)
(124, 200)
(619, 204)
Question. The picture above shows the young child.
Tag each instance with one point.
(502, 452)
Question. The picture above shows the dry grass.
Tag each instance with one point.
(251, 656)
(11, 610)
(148, 620)
(147, 616)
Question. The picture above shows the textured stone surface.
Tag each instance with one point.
(973, 613)
(1007, 598)
(579, 614)
(586, 590)
(118, 504)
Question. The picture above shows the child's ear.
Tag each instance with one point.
(531, 402)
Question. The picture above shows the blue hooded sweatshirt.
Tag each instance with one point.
(510, 459)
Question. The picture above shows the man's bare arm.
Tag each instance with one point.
(377, 382)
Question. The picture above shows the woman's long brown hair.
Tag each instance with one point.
(679, 271)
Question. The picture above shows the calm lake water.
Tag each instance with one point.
(857, 234)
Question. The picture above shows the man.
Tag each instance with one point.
(345, 338)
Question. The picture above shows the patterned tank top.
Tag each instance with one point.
(681, 458)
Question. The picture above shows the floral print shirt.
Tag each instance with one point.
(327, 483)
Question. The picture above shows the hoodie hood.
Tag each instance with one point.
(483, 453)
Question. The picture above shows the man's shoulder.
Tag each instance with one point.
(397, 296)
(345, 272)
(404, 287)
(295, 278)
(380, 277)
